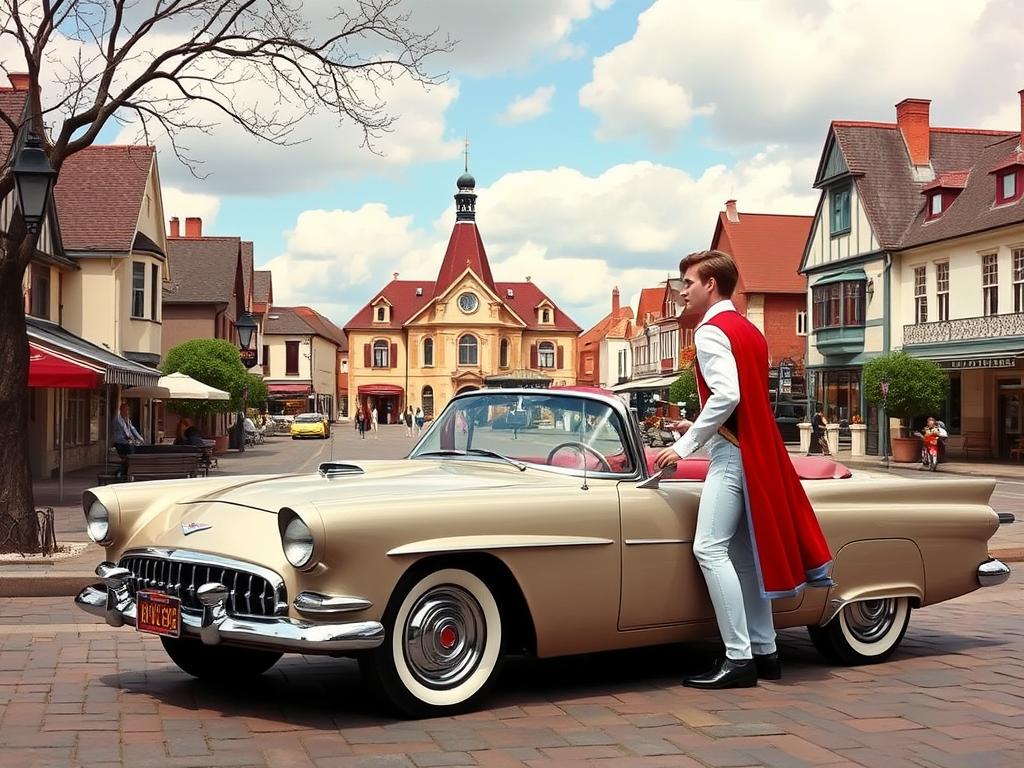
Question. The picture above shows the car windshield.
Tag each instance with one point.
(545, 429)
(308, 418)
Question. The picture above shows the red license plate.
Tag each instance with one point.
(158, 614)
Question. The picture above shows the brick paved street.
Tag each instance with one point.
(76, 692)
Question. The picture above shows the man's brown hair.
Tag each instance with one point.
(716, 264)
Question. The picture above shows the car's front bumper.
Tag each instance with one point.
(993, 572)
(112, 602)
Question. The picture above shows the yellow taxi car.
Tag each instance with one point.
(309, 425)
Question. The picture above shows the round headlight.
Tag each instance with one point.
(297, 541)
(97, 520)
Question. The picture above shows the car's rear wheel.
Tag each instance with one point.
(218, 662)
(444, 646)
(864, 632)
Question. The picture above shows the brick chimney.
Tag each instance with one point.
(175, 227)
(193, 226)
(19, 80)
(730, 212)
(1020, 146)
(912, 119)
(615, 301)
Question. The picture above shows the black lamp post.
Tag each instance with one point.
(33, 177)
(246, 327)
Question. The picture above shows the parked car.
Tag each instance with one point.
(310, 425)
(485, 542)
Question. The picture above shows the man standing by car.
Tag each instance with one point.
(757, 537)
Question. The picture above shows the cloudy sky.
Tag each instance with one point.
(605, 135)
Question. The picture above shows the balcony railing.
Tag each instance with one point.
(646, 368)
(965, 329)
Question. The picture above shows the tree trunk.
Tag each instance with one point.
(19, 527)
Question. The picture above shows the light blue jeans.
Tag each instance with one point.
(722, 546)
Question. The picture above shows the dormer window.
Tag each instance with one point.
(935, 205)
(1008, 187)
(381, 314)
(545, 315)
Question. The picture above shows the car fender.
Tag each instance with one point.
(857, 576)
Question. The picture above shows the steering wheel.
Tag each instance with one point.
(582, 448)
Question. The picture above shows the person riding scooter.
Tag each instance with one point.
(934, 432)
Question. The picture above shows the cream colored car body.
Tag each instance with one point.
(453, 559)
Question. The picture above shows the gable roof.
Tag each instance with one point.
(465, 250)
(768, 249)
(262, 287)
(247, 269)
(99, 195)
(302, 321)
(877, 158)
(651, 301)
(614, 325)
(202, 269)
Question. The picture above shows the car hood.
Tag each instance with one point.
(369, 481)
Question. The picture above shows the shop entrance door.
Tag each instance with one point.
(1010, 417)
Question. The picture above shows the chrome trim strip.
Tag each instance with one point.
(214, 626)
(631, 542)
(317, 603)
(463, 543)
(338, 468)
(993, 572)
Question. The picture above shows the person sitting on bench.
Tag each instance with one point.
(188, 434)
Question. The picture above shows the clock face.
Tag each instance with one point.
(468, 302)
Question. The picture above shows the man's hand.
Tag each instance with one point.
(679, 426)
(667, 457)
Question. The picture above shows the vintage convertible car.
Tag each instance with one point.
(484, 542)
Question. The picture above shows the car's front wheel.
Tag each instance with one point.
(864, 632)
(218, 663)
(444, 645)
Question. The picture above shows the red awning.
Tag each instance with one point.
(49, 369)
(289, 389)
(380, 389)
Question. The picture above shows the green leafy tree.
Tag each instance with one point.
(916, 387)
(684, 390)
(216, 363)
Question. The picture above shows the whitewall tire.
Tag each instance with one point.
(444, 645)
(864, 632)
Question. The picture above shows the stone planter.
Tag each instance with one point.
(906, 449)
(805, 436)
(858, 442)
(220, 444)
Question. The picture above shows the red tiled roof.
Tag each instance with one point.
(292, 321)
(12, 104)
(951, 180)
(465, 250)
(1014, 158)
(651, 300)
(524, 302)
(609, 327)
(99, 195)
(768, 249)
(933, 129)
(323, 326)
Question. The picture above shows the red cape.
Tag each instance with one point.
(789, 546)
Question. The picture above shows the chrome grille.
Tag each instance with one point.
(249, 594)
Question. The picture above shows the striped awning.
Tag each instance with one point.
(116, 369)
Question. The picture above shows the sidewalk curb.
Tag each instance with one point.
(981, 471)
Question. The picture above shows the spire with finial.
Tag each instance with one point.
(465, 198)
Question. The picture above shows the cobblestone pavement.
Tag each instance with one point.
(76, 692)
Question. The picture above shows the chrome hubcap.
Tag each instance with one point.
(870, 620)
(444, 636)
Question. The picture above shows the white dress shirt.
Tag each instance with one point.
(718, 367)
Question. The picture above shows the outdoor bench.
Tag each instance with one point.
(161, 466)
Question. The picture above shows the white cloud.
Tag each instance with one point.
(527, 108)
(184, 204)
(779, 71)
(628, 226)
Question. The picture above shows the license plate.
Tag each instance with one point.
(158, 614)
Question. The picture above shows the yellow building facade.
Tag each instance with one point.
(419, 342)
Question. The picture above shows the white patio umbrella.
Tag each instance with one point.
(182, 387)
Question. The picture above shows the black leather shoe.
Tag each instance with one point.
(726, 674)
(768, 667)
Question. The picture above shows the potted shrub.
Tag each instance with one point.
(915, 388)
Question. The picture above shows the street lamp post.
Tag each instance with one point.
(246, 327)
(33, 177)
(885, 422)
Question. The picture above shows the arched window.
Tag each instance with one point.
(381, 314)
(546, 355)
(427, 398)
(503, 354)
(428, 352)
(545, 316)
(468, 350)
(380, 354)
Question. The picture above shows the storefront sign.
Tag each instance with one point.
(987, 362)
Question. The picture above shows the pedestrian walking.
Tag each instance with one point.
(819, 434)
(361, 423)
(419, 421)
(752, 500)
(407, 418)
(373, 422)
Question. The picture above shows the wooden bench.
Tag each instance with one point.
(161, 466)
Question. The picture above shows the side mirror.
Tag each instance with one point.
(655, 480)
